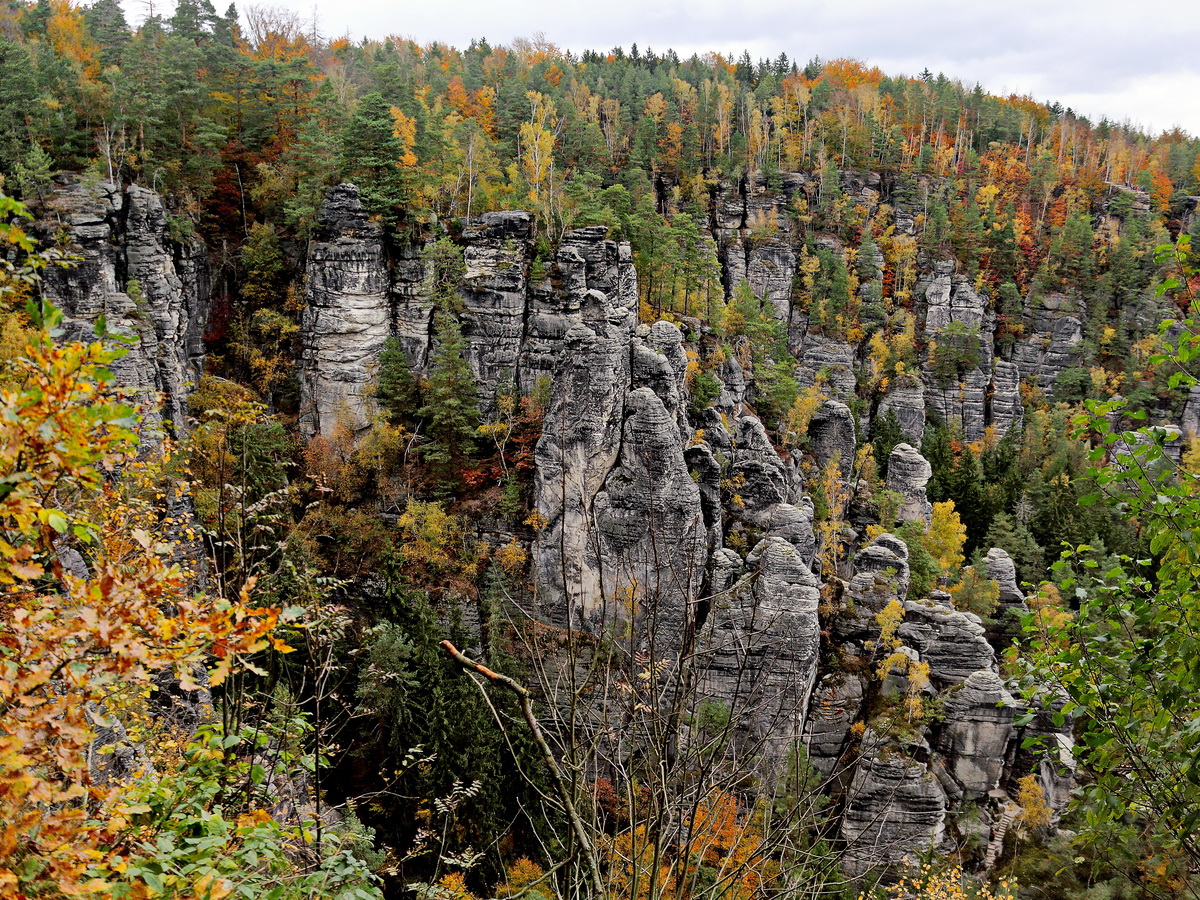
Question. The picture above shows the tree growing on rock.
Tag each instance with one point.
(450, 408)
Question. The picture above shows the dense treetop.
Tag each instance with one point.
(254, 115)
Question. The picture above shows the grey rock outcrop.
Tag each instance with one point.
(953, 643)
(907, 403)
(770, 270)
(589, 279)
(757, 476)
(1005, 411)
(895, 808)
(908, 473)
(494, 297)
(347, 319)
(832, 364)
(962, 401)
(625, 534)
(976, 733)
(1053, 333)
(149, 287)
(580, 444)
(881, 574)
(950, 298)
(835, 707)
(999, 567)
(831, 435)
(763, 647)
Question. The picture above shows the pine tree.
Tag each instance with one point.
(450, 408)
(371, 154)
(107, 24)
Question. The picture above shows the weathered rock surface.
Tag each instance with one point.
(831, 436)
(580, 445)
(830, 363)
(1053, 333)
(953, 643)
(494, 296)
(1005, 410)
(763, 646)
(895, 808)
(907, 403)
(146, 285)
(962, 401)
(881, 573)
(908, 473)
(835, 707)
(1000, 567)
(976, 732)
(347, 318)
(590, 278)
(756, 475)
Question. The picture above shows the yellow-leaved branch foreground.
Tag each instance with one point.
(79, 652)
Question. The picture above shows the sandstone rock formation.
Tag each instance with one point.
(148, 287)
(908, 473)
(895, 807)
(762, 646)
(347, 318)
(976, 733)
(495, 297)
(907, 403)
(953, 643)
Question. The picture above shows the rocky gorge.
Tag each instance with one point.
(677, 529)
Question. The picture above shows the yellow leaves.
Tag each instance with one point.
(945, 538)
(888, 619)
(405, 129)
(520, 876)
(512, 558)
(986, 196)
(796, 420)
(86, 649)
(946, 884)
(210, 887)
(454, 887)
(252, 820)
(430, 536)
(656, 107)
(1035, 811)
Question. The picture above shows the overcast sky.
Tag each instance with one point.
(1099, 57)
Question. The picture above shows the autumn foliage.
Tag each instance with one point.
(88, 617)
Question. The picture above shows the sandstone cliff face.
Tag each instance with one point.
(347, 318)
(146, 285)
(895, 807)
(687, 532)
(494, 294)
(1053, 333)
(762, 645)
(908, 473)
(637, 497)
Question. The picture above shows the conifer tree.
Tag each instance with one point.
(450, 408)
(371, 154)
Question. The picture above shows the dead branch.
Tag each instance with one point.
(564, 793)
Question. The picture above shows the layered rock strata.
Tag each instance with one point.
(148, 287)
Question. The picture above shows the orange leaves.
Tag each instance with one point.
(404, 127)
(721, 843)
(74, 647)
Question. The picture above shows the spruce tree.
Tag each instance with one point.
(450, 408)
(371, 153)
